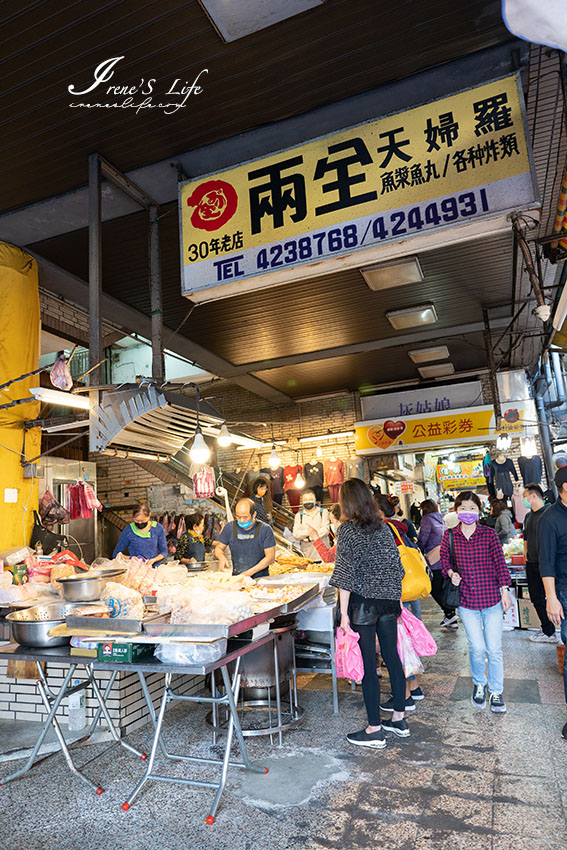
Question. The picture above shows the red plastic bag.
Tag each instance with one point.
(51, 511)
(421, 639)
(348, 657)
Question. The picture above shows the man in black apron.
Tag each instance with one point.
(252, 543)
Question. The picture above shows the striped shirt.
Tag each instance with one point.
(367, 563)
(480, 561)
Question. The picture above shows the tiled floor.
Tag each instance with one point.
(465, 779)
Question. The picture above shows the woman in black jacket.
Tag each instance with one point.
(368, 573)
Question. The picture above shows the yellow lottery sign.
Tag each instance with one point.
(446, 428)
(447, 162)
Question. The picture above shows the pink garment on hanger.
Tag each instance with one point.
(204, 482)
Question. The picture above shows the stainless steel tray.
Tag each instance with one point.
(206, 631)
(112, 624)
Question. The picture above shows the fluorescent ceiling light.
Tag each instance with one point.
(234, 20)
(412, 316)
(69, 426)
(424, 355)
(317, 437)
(437, 371)
(256, 444)
(392, 274)
(60, 398)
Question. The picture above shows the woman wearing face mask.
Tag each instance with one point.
(191, 545)
(474, 561)
(326, 553)
(311, 516)
(143, 538)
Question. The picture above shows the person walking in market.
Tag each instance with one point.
(429, 539)
(473, 558)
(533, 499)
(368, 573)
(326, 553)
(552, 551)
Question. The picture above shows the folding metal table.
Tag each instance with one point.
(52, 701)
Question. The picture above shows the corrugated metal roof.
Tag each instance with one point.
(330, 52)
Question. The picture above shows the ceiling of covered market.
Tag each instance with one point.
(299, 339)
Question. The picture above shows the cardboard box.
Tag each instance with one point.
(123, 652)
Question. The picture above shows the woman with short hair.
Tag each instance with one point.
(368, 573)
(429, 540)
(191, 545)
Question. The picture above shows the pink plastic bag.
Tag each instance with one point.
(421, 638)
(411, 661)
(348, 657)
(60, 374)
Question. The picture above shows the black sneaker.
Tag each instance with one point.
(374, 740)
(564, 732)
(398, 727)
(450, 622)
(417, 695)
(389, 704)
(497, 704)
(479, 696)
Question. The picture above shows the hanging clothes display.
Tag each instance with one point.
(356, 467)
(500, 476)
(313, 474)
(81, 500)
(293, 495)
(531, 469)
(277, 484)
(204, 482)
(334, 476)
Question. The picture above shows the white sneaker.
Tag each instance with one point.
(540, 637)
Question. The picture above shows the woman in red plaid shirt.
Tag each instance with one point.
(472, 557)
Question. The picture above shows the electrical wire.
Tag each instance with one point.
(25, 510)
(70, 536)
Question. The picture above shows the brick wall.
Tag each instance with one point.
(20, 698)
(62, 317)
(121, 482)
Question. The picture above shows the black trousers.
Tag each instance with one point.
(387, 630)
(537, 596)
(437, 579)
(278, 498)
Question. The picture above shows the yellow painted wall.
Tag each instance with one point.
(20, 330)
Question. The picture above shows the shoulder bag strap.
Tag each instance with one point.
(452, 548)
(396, 532)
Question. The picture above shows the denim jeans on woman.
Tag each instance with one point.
(484, 628)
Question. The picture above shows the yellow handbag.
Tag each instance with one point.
(416, 583)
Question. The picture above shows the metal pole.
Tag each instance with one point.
(559, 377)
(526, 253)
(158, 365)
(545, 443)
(95, 270)
(492, 367)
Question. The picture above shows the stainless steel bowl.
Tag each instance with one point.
(31, 626)
(86, 588)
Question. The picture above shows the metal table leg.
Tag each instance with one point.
(52, 703)
(278, 695)
(334, 675)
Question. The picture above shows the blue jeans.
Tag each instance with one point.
(562, 596)
(415, 607)
(483, 628)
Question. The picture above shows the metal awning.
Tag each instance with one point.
(147, 418)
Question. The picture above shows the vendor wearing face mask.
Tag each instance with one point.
(252, 543)
(143, 538)
(310, 519)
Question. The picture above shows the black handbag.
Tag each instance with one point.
(50, 541)
(451, 593)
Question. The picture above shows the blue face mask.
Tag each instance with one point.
(245, 525)
(526, 503)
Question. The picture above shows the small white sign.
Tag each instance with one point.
(10, 494)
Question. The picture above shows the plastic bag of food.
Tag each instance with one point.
(39, 571)
(140, 576)
(170, 574)
(216, 608)
(190, 653)
(60, 571)
(172, 596)
(15, 555)
(125, 603)
(60, 375)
